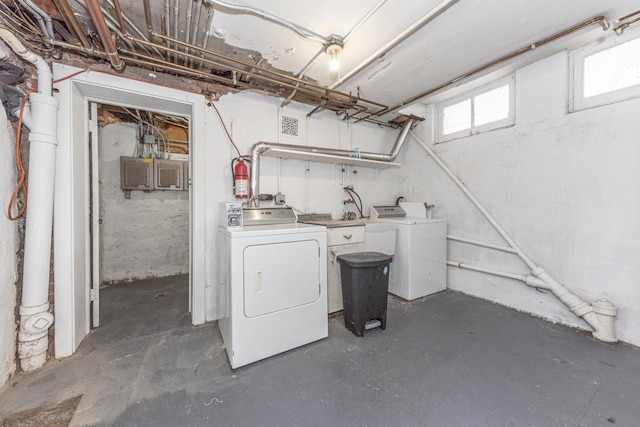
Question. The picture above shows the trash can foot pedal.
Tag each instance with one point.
(372, 324)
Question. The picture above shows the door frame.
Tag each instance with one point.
(72, 237)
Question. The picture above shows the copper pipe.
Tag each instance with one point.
(101, 26)
(305, 83)
(624, 18)
(161, 64)
(242, 63)
(619, 29)
(597, 20)
(72, 22)
(93, 51)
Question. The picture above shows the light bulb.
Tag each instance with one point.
(334, 64)
(333, 51)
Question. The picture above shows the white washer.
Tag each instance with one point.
(419, 265)
(274, 289)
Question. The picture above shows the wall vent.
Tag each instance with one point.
(289, 126)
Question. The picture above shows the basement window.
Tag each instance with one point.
(482, 110)
(606, 72)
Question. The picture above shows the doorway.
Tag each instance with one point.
(72, 231)
(139, 212)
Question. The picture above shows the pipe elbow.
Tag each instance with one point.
(259, 148)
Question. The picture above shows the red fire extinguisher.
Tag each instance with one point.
(240, 179)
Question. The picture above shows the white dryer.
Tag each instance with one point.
(420, 263)
(274, 286)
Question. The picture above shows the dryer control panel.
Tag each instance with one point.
(231, 214)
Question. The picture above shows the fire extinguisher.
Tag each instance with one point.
(240, 178)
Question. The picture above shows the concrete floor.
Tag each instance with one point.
(446, 360)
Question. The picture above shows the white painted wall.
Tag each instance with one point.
(564, 186)
(308, 187)
(8, 248)
(147, 235)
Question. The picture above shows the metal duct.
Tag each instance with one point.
(258, 149)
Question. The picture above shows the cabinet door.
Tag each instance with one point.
(334, 284)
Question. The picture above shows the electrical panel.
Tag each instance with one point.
(136, 173)
(153, 174)
(168, 174)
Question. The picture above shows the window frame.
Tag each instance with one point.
(577, 100)
(473, 129)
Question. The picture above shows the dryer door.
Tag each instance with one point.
(280, 276)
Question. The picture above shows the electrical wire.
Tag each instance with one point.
(223, 125)
(21, 185)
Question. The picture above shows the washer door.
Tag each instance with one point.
(280, 276)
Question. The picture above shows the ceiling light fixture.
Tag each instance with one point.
(334, 49)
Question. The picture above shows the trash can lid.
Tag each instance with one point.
(365, 259)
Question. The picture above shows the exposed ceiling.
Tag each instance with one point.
(393, 53)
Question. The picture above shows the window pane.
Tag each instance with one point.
(491, 106)
(456, 117)
(612, 69)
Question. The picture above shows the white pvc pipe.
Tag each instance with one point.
(42, 118)
(44, 72)
(599, 316)
(462, 265)
(483, 244)
(395, 41)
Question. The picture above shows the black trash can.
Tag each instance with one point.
(365, 283)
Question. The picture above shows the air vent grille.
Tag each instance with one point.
(289, 126)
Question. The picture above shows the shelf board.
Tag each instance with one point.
(285, 153)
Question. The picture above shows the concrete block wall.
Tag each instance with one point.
(146, 235)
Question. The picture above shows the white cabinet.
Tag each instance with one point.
(340, 240)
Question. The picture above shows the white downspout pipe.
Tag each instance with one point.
(35, 320)
(599, 315)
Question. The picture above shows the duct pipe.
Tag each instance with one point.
(35, 320)
(262, 147)
(600, 315)
(93, 6)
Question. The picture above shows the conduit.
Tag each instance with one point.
(427, 17)
(258, 149)
(35, 320)
(600, 315)
(599, 20)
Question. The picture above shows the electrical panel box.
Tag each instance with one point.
(136, 173)
(168, 174)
